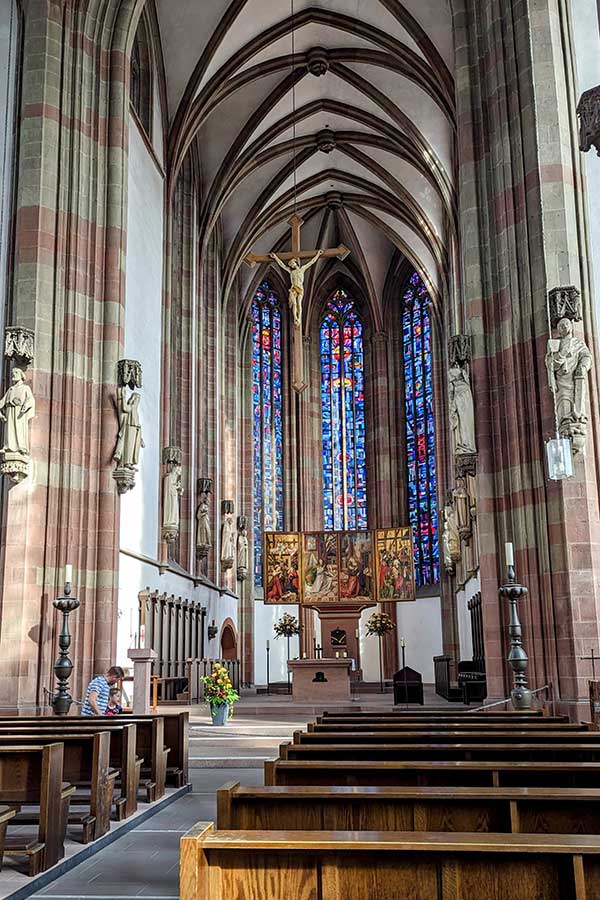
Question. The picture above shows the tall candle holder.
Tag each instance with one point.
(521, 697)
(62, 700)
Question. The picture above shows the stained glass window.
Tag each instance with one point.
(343, 401)
(420, 431)
(267, 419)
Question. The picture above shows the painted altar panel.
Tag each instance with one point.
(281, 561)
(394, 565)
(356, 567)
(319, 568)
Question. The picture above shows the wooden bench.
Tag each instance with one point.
(451, 725)
(33, 776)
(429, 713)
(526, 810)
(6, 814)
(122, 758)
(149, 743)
(447, 736)
(443, 750)
(423, 721)
(175, 736)
(487, 773)
(86, 761)
(364, 865)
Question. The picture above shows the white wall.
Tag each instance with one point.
(265, 616)
(9, 43)
(143, 328)
(586, 37)
(420, 624)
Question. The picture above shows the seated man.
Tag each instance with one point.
(98, 692)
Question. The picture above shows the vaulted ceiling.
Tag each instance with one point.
(341, 109)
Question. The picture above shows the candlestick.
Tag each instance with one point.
(402, 642)
(268, 644)
(509, 554)
(357, 634)
(68, 573)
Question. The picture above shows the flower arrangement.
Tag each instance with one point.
(379, 624)
(287, 626)
(218, 688)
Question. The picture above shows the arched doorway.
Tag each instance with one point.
(229, 648)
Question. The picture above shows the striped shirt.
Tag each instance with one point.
(100, 686)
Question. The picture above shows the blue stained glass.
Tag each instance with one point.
(420, 431)
(343, 416)
(267, 419)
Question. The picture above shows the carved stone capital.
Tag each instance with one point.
(465, 464)
(565, 303)
(227, 506)
(15, 466)
(125, 478)
(334, 200)
(204, 485)
(172, 456)
(170, 534)
(129, 373)
(459, 350)
(19, 344)
(588, 110)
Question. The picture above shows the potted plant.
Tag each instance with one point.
(380, 624)
(219, 694)
(287, 627)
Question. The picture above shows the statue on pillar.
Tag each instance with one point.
(17, 408)
(462, 412)
(242, 549)
(228, 536)
(450, 539)
(568, 360)
(172, 491)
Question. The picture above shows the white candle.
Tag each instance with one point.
(68, 573)
(509, 554)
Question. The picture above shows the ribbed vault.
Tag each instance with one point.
(355, 131)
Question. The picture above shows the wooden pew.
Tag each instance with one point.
(424, 721)
(149, 742)
(338, 865)
(86, 760)
(176, 736)
(487, 773)
(122, 757)
(447, 736)
(442, 750)
(33, 775)
(6, 814)
(446, 725)
(445, 713)
(510, 810)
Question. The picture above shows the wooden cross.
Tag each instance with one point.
(297, 289)
(593, 659)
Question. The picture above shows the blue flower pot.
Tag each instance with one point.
(219, 713)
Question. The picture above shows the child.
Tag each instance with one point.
(114, 707)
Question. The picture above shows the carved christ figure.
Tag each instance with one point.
(296, 273)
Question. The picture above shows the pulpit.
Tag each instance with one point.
(320, 680)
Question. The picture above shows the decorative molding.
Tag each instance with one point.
(565, 303)
(125, 478)
(588, 110)
(19, 343)
(334, 200)
(459, 350)
(129, 373)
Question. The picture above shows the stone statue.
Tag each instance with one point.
(129, 439)
(568, 360)
(462, 414)
(450, 539)
(17, 408)
(462, 506)
(172, 491)
(296, 273)
(242, 549)
(228, 541)
(203, 529)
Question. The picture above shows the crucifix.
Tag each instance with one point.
(292, 264)
(594, 659)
